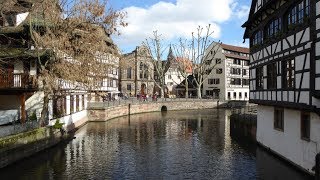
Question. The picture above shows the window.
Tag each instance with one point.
(218, 61)
(229, 95)
(244, 72)
(273, 28)
(288, 74)
(208, 62)
(237, 61)
(77, 103)
(235, 81)
(71, 104)
(240, 95)
(278, 119)
(59, 107)
(209, 92)
(169, 77)
(259, 78)
(129, 71)
(82, 98)
(235, 71)
(272, 76)
(305, 125)
(214, 81)
(219, 71)
(128, 87)
(257, 38)
(246, 63)
(245, 95)
(234, 95)
(245, 82)
(298, 13)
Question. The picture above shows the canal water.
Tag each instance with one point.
(169, 145)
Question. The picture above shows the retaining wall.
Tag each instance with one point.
(107, 113)
(16, 147)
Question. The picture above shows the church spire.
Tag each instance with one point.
(170, 54)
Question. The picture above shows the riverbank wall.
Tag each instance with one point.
(19, 146)
(102, 113)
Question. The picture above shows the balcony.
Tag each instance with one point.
(22, 81)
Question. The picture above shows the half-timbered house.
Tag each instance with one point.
(285, 77)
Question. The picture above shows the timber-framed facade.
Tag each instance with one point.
(285, 76)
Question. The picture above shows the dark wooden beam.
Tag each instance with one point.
(23, 115)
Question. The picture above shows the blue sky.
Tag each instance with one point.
(178, 18)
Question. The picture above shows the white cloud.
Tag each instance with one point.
(242, 12)
(179, 19)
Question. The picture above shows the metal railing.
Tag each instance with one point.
(21, 80)
(17, 127)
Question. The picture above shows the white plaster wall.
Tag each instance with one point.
(318, 8)
(306, 36)
(317, 84)
(285, 44)
(21, 17)
(317, 48)
(35, 103)
(33, 69)
(288, 143)
(318, 66)
(70, 119)
(18, 67)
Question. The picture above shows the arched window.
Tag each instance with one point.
(273, 27)
(257, 38)
(298, 13)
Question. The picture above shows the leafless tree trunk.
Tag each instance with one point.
(200, 51)
(156, 49)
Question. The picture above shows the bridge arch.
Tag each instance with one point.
(164, 108)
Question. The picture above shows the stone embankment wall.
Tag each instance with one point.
(16, 147)
(107, 113)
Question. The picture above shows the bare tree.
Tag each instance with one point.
(157, 49)
(68, 39)
(200, 50)
(182, 53)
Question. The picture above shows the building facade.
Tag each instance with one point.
(137, 72)
(229, 79)
(285, 77)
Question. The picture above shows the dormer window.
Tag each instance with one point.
(274, 27)
(298, 13)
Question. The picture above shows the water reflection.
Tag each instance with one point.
(170, 145)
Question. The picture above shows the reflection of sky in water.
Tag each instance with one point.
(175, 145)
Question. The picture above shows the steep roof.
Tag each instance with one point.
(235, 48)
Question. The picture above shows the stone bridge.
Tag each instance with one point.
(103, 111)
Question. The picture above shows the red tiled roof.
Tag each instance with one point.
(236, 56)
(187, 63)
(235, 48)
